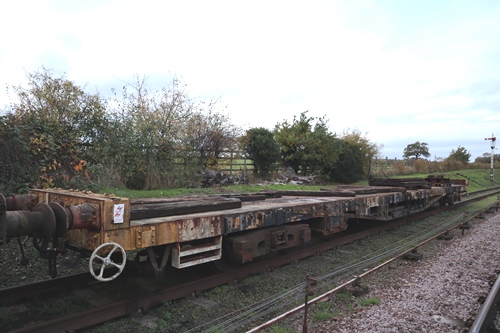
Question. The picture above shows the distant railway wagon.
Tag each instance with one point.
(193, 230)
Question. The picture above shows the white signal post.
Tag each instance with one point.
(492, 139)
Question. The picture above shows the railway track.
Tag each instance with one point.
(489, 311)
(144, 303)
(484, 319)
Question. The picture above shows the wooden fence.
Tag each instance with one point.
(234, 163)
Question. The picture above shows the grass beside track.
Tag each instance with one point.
(479, 179)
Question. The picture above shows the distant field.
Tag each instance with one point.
(478, 179)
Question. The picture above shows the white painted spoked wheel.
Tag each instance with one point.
(103, 261)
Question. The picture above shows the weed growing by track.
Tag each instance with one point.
(369, 301)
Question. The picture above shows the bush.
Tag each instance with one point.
(348, 168)
(261, 147)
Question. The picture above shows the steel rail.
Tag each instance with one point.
(16, 294)
(489, 309)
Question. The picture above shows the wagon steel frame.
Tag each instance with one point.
(195, 230)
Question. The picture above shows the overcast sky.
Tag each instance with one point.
(398, 70)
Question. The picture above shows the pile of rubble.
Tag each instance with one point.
(214, 178)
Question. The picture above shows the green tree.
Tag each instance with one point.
(367, 149)
(60, 124)
(416, 149)
(348, 167)
(208, 134)
(261, 147)
(460, 154)
(486, 158)
(305, 144)
(161, 138)
(18, 170)
(147, 127)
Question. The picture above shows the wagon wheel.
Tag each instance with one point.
(103, 261)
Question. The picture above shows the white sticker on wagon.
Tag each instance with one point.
(119, 212)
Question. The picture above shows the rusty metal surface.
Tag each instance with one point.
(41, 221)
(92, 216)
(21, 202)
(243, 248)
(273, 211)
(84, 216)
(107, 205)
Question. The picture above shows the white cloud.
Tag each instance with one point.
(400, 71)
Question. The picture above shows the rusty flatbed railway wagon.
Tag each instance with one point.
(193, 230)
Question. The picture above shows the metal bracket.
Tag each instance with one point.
(145, 237)
(159, 270)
